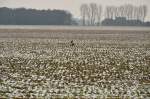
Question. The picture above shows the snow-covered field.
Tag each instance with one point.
(99, 65)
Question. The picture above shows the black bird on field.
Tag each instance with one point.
(72, 43)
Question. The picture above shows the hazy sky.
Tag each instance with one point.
(70, 5)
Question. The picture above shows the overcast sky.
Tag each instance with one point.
(70, 5)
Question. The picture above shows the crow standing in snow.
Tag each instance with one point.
(72, 43)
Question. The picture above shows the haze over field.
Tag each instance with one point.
(70, 5)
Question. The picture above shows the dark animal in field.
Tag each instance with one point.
(72, 43)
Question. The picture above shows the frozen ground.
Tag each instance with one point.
(43, 63)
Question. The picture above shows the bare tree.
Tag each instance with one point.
(83, 10)
(88, 14)
(111, 12)
(139, 13)
(116, 13)
(107, 12)
(135, 13)
(130, 11)
(144, 12)
(99, 14)
(93, 13)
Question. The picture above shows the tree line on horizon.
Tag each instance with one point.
(91, 15)
(23, 16)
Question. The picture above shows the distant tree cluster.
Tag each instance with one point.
(127, 11)
(22, 16)
(122, 21)
(128, 14)
(91, 14)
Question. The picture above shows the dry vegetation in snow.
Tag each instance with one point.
(101, 64)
